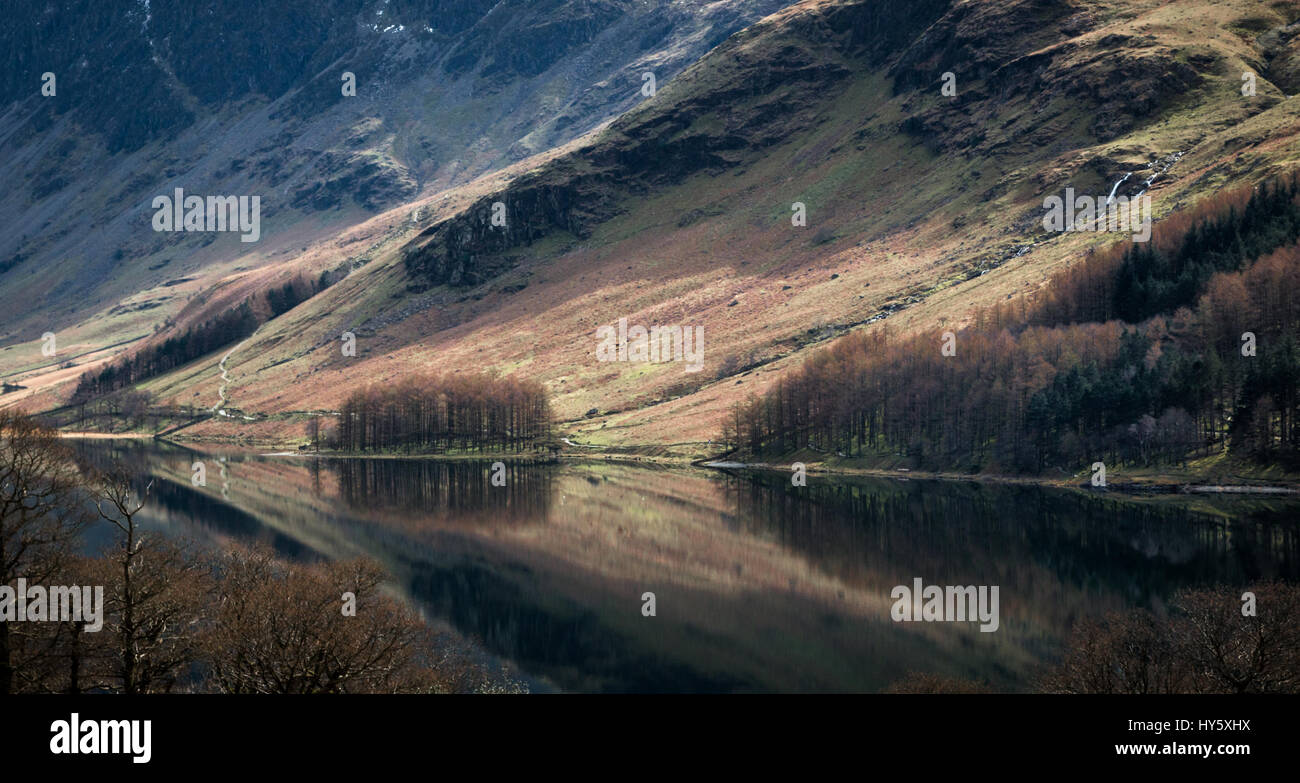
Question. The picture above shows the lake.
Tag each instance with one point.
(758, 585)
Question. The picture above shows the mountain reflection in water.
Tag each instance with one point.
(759, 586)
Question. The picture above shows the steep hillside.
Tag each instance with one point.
(920, 205)
(249, 98)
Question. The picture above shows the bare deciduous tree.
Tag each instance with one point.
(1206, 645)
(42, 511)
(1129, 652)
(281, 628)
(1234, 653)
(156, 593)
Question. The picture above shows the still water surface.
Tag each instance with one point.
(758, 586)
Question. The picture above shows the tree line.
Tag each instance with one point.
(179, 619)
(162, 356)
(1134, 281)
(1062, 378)
(432, 413)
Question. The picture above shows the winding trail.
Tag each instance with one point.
(219, 408)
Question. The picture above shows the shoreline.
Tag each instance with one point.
(1164, 483)
(1193, 485)
(107, 435)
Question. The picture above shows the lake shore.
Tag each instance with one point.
(1209, 477)
(1143, 485)
(107, 435)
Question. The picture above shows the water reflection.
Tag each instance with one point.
(759, 586)
(446, 489)
(893, 530)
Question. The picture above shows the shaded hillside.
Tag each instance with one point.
(671, 138)
(248, 98)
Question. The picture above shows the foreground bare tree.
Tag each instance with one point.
(156, 593)
(1234, 653)
(1123, 653)
(42, 512)
(1206, 645)
(327, 628)
(248, 622)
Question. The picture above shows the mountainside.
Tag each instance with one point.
(250, 98)
(920, 140)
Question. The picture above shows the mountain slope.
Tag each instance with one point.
(920, 206)
(247, 98)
